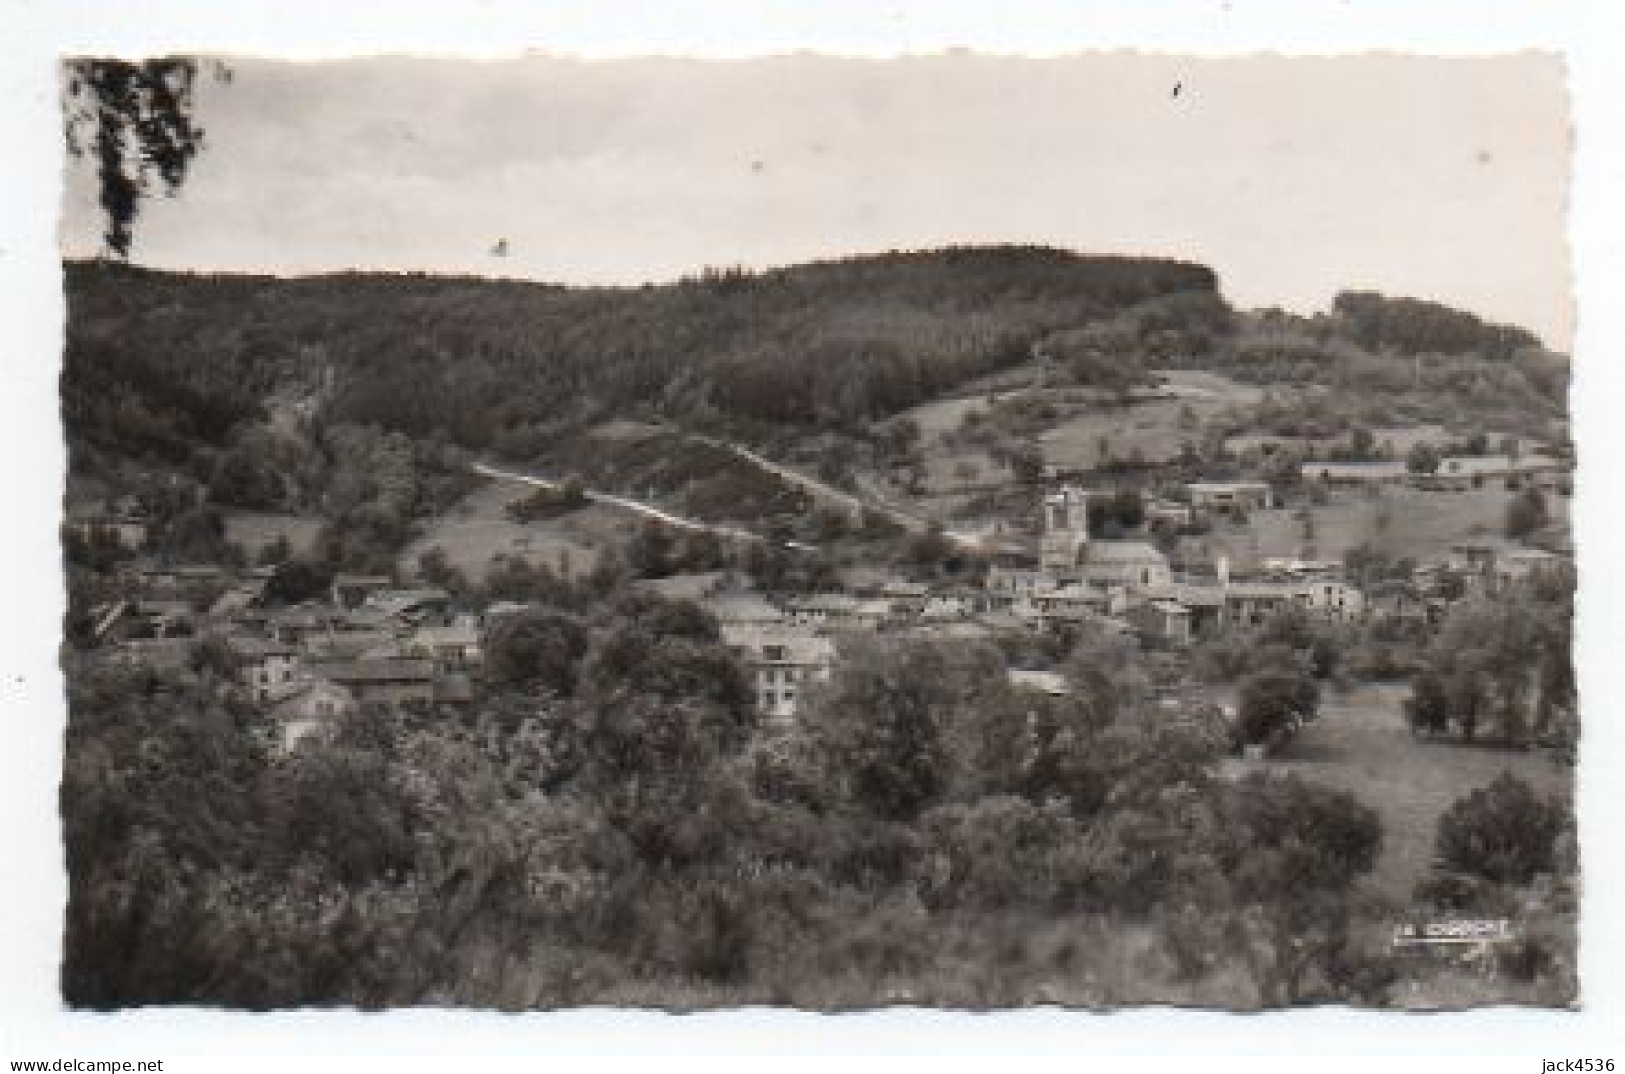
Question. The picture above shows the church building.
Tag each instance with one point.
(1067, 553)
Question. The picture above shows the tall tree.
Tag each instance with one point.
(135, 119)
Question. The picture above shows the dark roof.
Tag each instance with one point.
(453, 688)
(363, 671)
(1103, 552)
(363, 579)
(250, 647)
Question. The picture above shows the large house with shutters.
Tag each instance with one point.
(783, 662)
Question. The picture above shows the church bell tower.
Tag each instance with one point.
(1066, 529)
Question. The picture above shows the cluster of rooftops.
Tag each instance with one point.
(373, 640)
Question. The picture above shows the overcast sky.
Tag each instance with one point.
(1293, 178)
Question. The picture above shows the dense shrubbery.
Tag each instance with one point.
(1501, 667)
(611, 825)
(1500, 849)
(1273, 704)
(1504, 833)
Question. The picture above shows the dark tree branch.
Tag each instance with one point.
(135, 118)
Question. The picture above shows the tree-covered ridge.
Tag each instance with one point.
(165, 368)
(1412, 326)
(495, 364)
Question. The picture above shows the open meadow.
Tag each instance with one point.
(478, 529)
(1401, 522)
(1361, 743)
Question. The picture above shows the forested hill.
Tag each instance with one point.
(160, 364)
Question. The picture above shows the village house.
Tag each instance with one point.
(154, 579)
(1470, 471)
(1355, 474)
(1546, 474)
(122, 521)
(167, 618)
(264, 666)
(1016, 619)
(873, 613)
(1072, 603)
(1049, 683)
(455, 647)
(1229, 499)
(308, 707)
(1007, 586)
(453, 689)
(1458, 473)
(1252, 603)
(946, 607)
(500, 610)
(1514, 565)
(1133, 565)
(349, 591)
(1332, 599)
(404, 608)
(1396, 601)
(1489, 564)
(387, 683)
(238, 602)
(1441, 578)
(823, 611)
(956, 630)
(1473, 557)
(1168, 515)
(1255, 603)
(907, 599)
(295, 624)
(143, 618)
(349, 643)
(1167, 620)
(161, 654)
(1292, 568)
(1203, 604)
(782, 663)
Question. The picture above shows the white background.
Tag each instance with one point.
(32, 886)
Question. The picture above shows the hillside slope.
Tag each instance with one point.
(247, 384)
(156, 361)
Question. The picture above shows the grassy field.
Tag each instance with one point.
(477, 529)
(1361, 744)
(1401, 522)
(1153, 429)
